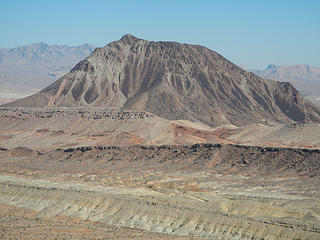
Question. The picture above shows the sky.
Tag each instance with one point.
(253, 33)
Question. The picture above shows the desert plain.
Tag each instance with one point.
(160, 140)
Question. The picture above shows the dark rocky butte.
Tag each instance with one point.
(174, 81)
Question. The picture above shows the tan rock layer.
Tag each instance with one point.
(123, 210)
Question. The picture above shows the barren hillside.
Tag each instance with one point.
(174, 81)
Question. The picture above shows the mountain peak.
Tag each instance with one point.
(128, 38)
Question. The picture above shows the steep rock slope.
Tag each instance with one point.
(174, 81)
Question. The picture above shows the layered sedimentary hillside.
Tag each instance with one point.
(207, 190)
(174, 81)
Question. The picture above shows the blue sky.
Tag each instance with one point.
(249, 32)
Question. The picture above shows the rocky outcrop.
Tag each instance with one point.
(82, 113)
(263, 160)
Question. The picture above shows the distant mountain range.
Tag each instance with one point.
(26, 69)
(303, 77)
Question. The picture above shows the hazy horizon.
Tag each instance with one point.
(250, 33)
